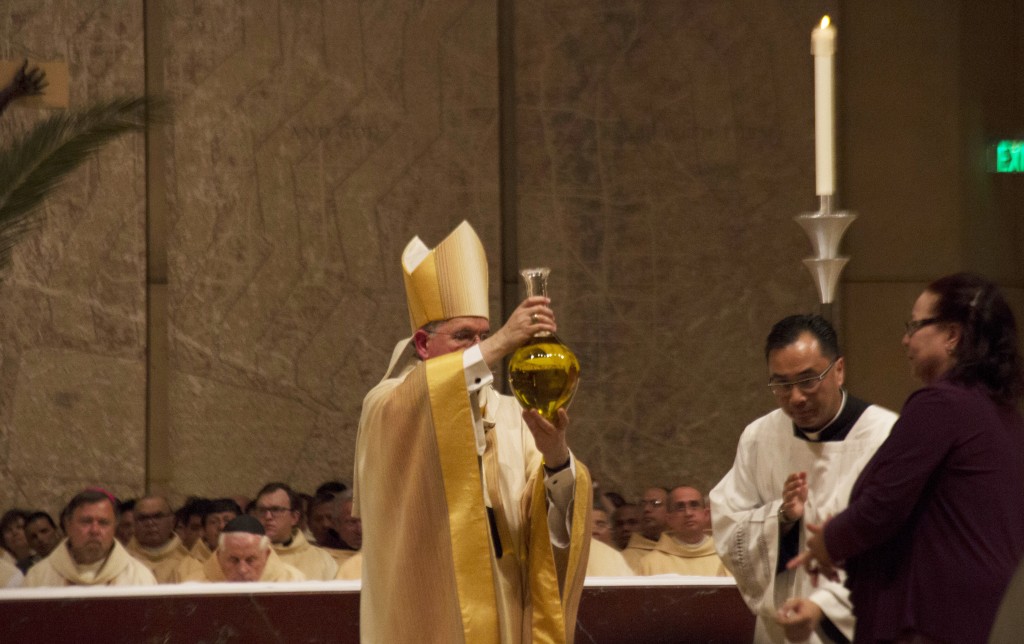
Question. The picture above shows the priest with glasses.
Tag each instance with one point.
(794, 466)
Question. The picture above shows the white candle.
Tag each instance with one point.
(823, 48)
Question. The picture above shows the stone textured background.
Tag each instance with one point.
(652, 153)
(73, 320)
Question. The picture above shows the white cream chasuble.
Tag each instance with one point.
(431, 570)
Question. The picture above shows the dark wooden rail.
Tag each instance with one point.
(644, 610)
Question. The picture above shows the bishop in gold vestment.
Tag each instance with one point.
(475, 526)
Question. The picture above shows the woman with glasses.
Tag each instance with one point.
(935, 527)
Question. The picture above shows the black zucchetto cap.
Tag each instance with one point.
(245, 523)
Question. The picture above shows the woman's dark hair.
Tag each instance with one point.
(987, 353)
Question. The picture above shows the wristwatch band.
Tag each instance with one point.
(782, 516)
(556, 470)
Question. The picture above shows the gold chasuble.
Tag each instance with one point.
(431, 565)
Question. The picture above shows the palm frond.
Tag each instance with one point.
(38, 161)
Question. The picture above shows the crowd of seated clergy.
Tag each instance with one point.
(666, 532)
(284, 535)
(104, 541)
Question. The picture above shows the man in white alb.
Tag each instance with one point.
(795, 465)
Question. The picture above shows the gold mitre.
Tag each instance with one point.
(447, 282)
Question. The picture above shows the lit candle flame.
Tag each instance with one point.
(824, 21)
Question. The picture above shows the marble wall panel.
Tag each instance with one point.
(902, 142)
(77, 422)
(664, 149)
(312, 141)
(239, 438)
(72, 325)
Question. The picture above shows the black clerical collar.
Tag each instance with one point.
(840, 426)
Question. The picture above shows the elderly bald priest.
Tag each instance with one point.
(244, 553)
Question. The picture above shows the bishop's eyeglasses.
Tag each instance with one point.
(465, 337)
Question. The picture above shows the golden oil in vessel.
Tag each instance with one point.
(544, 372)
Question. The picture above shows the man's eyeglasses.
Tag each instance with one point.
(143, 518)
(682, 506)
(913, 326)
(275, 510)
(805, 385)
(654, 503)
(465, 336)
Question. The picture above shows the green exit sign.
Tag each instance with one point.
(1008, 157)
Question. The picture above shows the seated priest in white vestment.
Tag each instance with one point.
(474, 512)
(600, 525)
(625, 521)
(321, 522)
(244, 553)
(10, 576)
(216, 514)
(795, 466)
(351, 568)
(684, 549)
(90, 556)
(349, 528)
(606, 561)
(126, 521)
(278, 509)
(325, 516)
(42, 533)
(653, 521)
(188, 521)
(155, 543)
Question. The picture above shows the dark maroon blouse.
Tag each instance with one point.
(935, 525)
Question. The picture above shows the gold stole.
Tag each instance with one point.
(467, 524)
(553, 609)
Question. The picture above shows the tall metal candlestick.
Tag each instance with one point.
(826, 227)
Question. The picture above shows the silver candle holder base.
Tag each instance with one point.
(825, 229)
